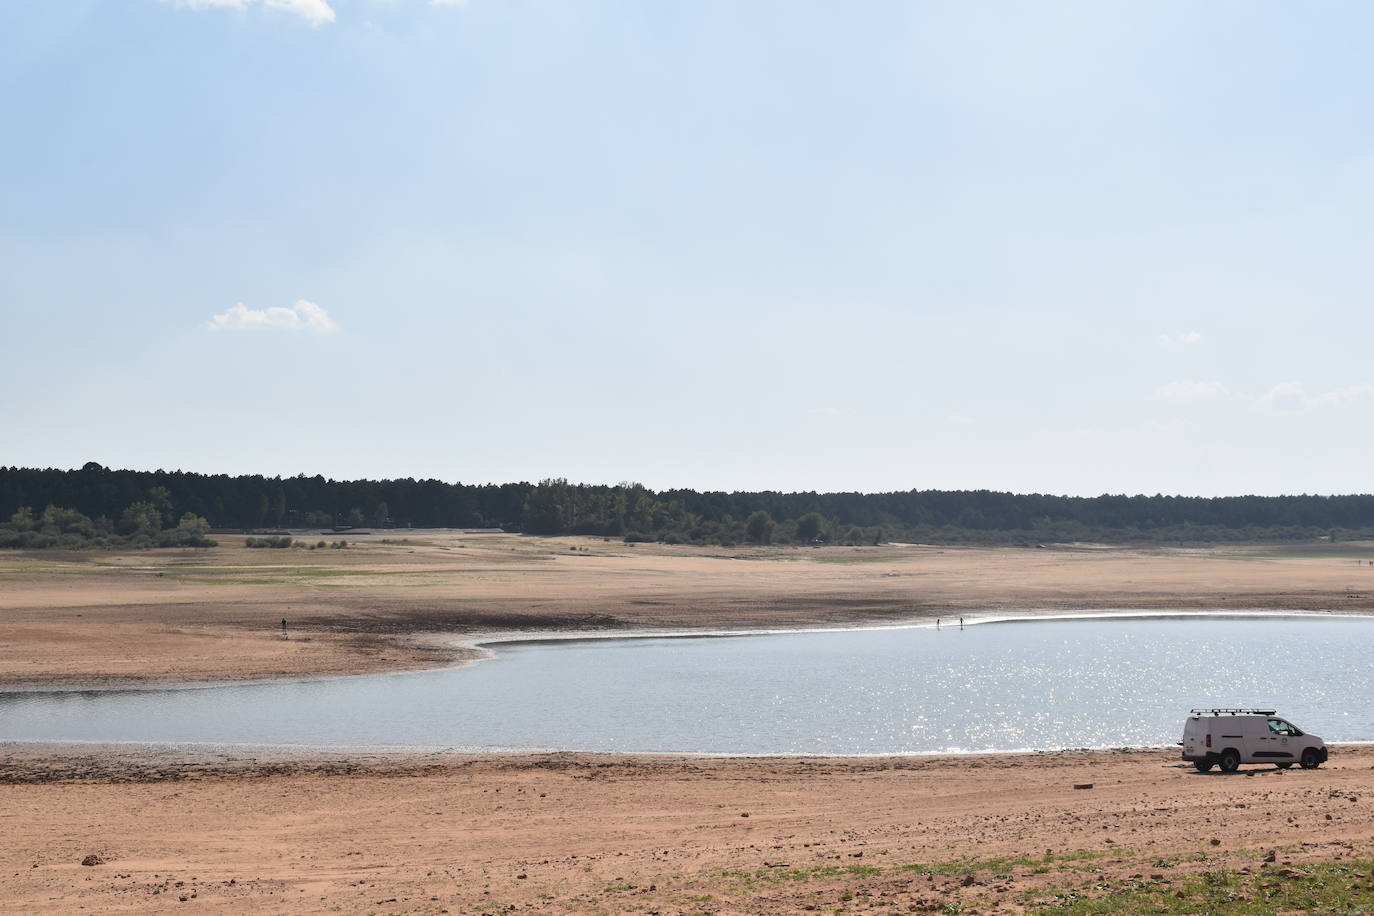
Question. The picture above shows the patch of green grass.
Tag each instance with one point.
(806, 873)
(957, 868)
(1326, 889)
(1005, 866)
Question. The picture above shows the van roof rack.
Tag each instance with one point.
(1232, 712)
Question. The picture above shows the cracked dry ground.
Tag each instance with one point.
(666, 835)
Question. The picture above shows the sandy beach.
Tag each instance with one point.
(410, 600)
(258, 831)
(246, 833)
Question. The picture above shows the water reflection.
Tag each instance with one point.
(1044, 684)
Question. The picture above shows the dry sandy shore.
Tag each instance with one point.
(250, 833)
(388, 603)
(588, 834)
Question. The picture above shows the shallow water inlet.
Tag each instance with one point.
(1044, 684)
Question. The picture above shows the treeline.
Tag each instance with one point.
(148, 522)
(633, 512)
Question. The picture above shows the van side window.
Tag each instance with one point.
(1280, 727)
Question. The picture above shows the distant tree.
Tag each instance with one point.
(193, 525)
(380, 515)
(547, 508)
(191, 531)
(141, 518)
(355, 517)
(760, 527)
(22, 519)
(809, 527)
(161, 497)
(56, 520)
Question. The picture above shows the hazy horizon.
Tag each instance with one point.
(1065, 248)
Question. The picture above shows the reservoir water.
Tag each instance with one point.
(1098, 682)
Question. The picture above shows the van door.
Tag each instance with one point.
(1257, 739)
(1276, 746)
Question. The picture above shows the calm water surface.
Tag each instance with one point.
(1000, 686)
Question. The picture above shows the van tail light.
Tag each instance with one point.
(1209, 740)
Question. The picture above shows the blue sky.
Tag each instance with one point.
(1055, 247)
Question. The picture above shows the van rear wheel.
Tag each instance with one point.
(1203, 766)
(1230, 760)
(1309, 759)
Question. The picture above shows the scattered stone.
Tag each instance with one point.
(91, 859)
(1082, 785)
(1216, 842)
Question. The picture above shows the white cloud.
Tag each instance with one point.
(303, 316)
(1285, 397)
(1191, 391)
(1340, 395)
(1292, 397)
(315, 12)
(1180, 340)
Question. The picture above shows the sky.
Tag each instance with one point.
(1056, 247)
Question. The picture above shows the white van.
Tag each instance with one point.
(1229, 737)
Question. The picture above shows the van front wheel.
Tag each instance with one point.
(1203, 766)
(1309, 759)
(1230, 760)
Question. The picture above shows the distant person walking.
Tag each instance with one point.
(283, 629)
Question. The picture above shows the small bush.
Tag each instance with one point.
(282, 541)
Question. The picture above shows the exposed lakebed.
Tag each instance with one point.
(1045, 684)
